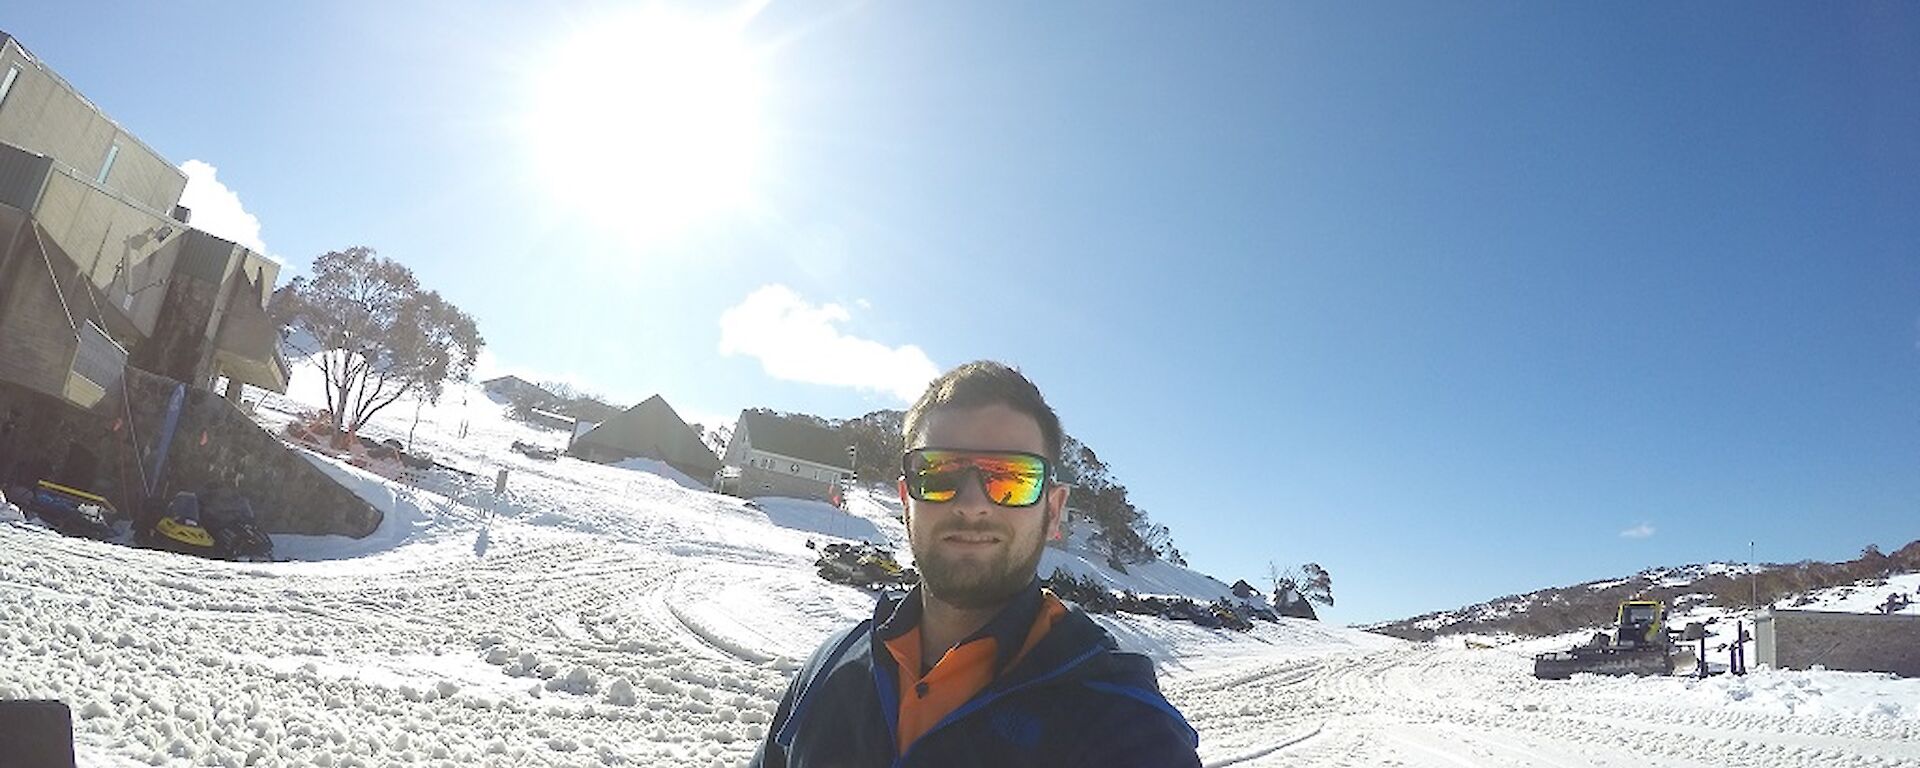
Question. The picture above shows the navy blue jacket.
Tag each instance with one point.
(1073, 700)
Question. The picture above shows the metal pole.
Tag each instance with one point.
(1753, 578)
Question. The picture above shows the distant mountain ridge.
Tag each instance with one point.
(1556, 610)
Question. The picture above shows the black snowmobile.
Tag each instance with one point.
(539, 452)
(221, 527)
(72, 511)
(863, 565)
(236, 533)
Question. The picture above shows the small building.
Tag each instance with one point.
(650, 430)
(551, 420)
(773, 455)
(518, 390)
(1852, 642)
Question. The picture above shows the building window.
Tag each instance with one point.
(112, 152)
(13, 73)
(795, 469)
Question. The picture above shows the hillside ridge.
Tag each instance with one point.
(1557, 610)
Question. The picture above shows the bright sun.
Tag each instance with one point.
(648, 121)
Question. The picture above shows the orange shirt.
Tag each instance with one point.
(966, 669)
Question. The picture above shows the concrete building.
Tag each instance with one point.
(100, 274)
(1852, 642)
(772, 455)
(99, 261)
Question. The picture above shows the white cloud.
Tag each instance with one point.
(1640, 531)
(797, 341)
(216, 209)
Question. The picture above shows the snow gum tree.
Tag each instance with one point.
(1309, 582)
(375, 334)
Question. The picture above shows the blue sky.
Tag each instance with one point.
(1448, 298)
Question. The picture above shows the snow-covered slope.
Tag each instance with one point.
(1690, 591)
(606, 615)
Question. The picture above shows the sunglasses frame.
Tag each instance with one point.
(1046, 475)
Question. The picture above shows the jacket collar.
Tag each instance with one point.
(1008, 628)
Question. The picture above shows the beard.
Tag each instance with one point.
(974, 583)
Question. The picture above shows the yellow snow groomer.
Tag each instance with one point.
(1640, 646)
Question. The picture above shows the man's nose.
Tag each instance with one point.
(972, 496)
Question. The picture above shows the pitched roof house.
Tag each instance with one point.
(649, 430)
(773, 455)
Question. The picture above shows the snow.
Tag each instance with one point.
(613, 615)
(1864, 597)
(9, 512)
(661, 469)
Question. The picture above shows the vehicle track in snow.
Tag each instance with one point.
(173, 659)
(1424, 706)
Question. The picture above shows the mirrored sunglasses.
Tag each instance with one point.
(1009, 478)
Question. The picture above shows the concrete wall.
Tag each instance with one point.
(42, 113)
(37, 340)
(126, 250)
(193, 307)
(1854, 642)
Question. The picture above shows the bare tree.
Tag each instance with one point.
(374, 333)
(717, 439)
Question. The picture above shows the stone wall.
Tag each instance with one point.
(45, 438)
(217, 445)
(214, 444)
(1853, 642)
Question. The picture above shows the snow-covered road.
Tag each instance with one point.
(1423, 705)
(596, 615)
(557, 648)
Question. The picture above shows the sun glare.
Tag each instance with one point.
(649, 121)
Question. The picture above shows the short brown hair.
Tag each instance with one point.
(982, 383)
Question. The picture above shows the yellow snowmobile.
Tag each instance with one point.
(220, 525)
(178, 529)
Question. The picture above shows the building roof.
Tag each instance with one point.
(514, 385)
(653, 430)
(796, 438)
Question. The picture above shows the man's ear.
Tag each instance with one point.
(1056, 509)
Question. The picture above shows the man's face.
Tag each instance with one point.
(972, 553)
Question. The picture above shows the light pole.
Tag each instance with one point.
(1753, 578)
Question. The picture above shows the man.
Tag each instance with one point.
(977, 665)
